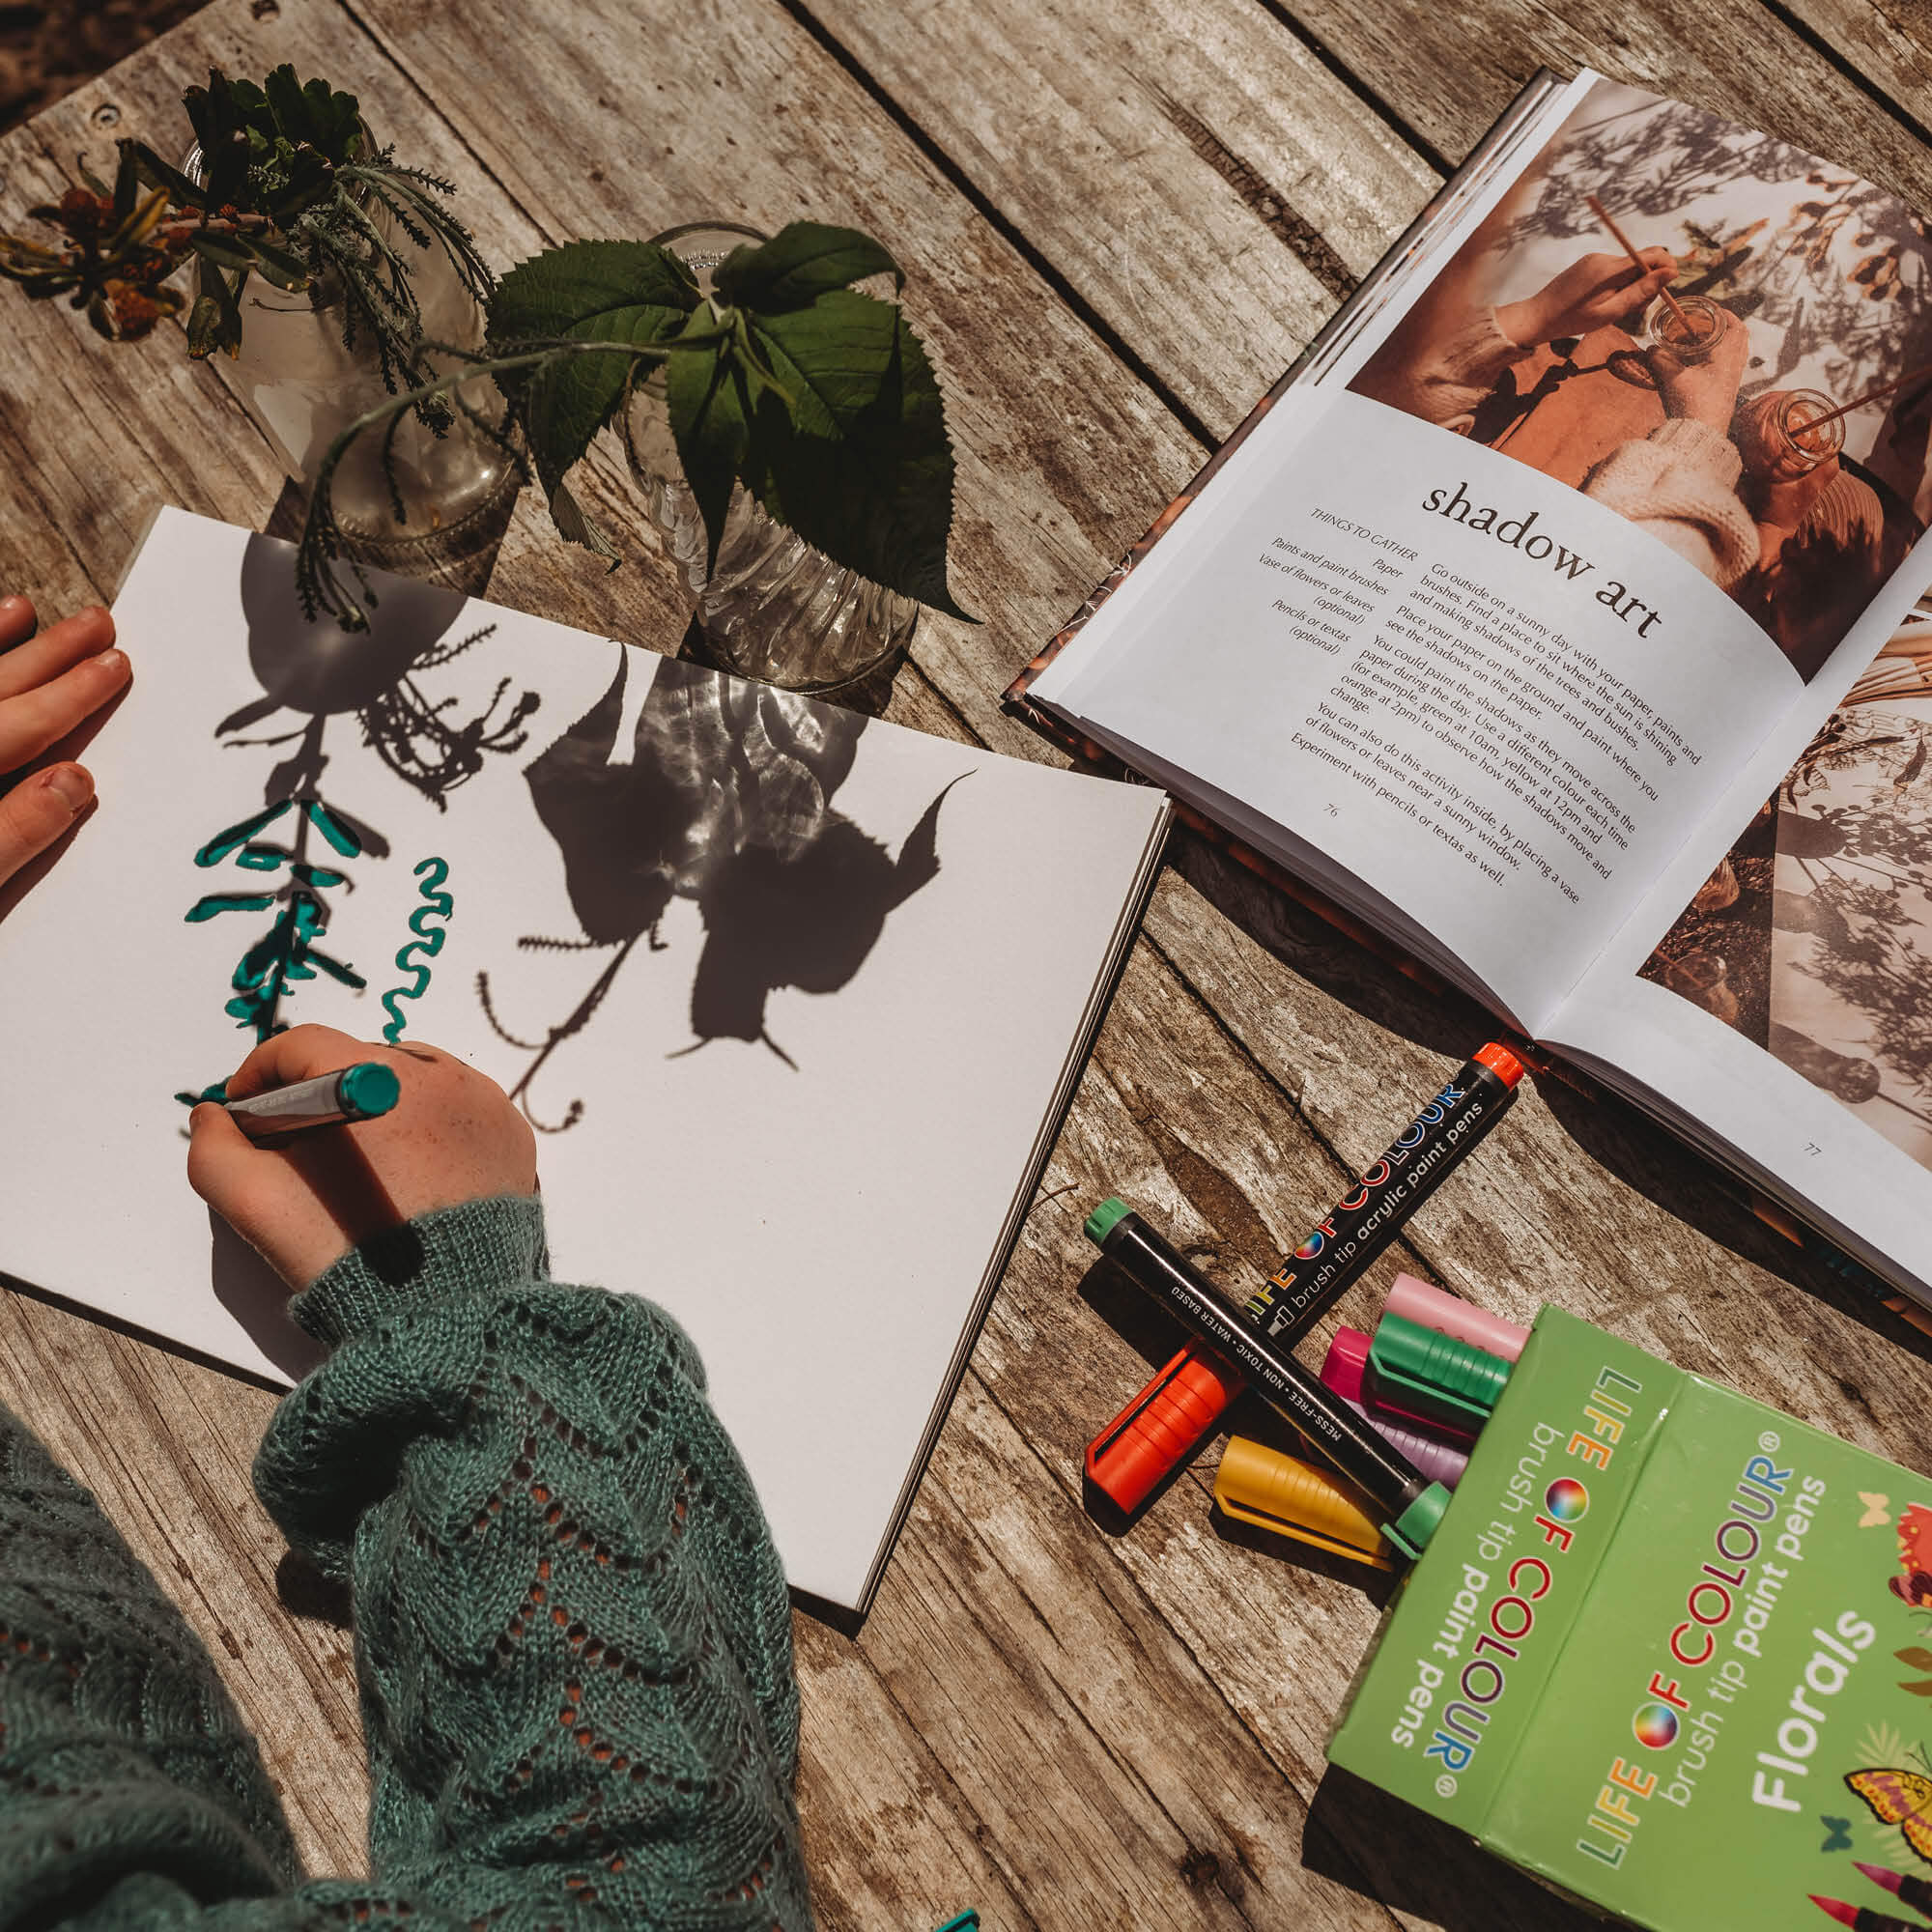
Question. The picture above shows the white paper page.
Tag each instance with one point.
(820, 1222)
(1440, 699)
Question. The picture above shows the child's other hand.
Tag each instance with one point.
(49, 684)
(452, 1137)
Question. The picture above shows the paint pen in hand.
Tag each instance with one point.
(1408, 1504)
(359, 1093)
(1164, 1423)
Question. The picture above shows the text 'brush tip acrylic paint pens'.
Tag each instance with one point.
(1174, 1413)
(1408, 1505)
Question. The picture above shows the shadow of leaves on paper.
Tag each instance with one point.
(725, 800)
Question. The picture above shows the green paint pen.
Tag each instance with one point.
(1415, 1371)
(358, 1093)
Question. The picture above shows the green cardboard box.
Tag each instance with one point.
(1669, 1650)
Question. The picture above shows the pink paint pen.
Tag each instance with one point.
(1343, 1372)
(1450, 1315)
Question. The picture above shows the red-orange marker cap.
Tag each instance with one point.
(1133, 1456)
(1500, 1062)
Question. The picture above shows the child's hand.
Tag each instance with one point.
(452, 1137)
(48, 685)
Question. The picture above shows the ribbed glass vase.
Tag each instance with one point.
(774, 608)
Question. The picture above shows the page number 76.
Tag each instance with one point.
(1332, 810)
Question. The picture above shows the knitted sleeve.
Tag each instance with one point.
(572, 1629)
(1448, 378)
(1680, 483)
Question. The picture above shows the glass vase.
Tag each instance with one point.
(773, 608)
(301, 383)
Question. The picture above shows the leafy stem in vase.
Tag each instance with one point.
(818, 399)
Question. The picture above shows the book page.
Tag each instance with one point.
(1788, 1009)
(1470, 687)
(1498, 628)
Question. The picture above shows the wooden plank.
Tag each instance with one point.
(1445, 75)
(1888, 49)
(1195, 173)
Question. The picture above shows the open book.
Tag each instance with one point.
(795, 1032)
(1554, 618)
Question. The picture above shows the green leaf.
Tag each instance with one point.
(575, 525)
(278, 265)
(798, 265)
(215, 320)
(860, 464)
(149, 170)
(222, 251)
(621, 291)
(554, 292)
(312, 114)
(708, 418)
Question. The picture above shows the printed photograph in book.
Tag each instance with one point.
(1722, 338)
(1813, 937)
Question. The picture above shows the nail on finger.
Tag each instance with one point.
(71, 785)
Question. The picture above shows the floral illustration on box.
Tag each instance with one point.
(320, 673)
(727, 801)
(1897, 1797)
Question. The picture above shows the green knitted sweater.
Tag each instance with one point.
(572, 1634)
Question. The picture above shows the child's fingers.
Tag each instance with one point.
(37, 810)
(220, 1157)
(32, 661)
(17, 622)
(299, 1054)
(36, 719)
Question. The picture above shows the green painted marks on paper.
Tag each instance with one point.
(287, 953)
(428, 942)
(261, 858)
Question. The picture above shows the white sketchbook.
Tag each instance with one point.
(799, 998)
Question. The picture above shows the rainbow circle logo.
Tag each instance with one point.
(1655, 1725)
(1566, 1500)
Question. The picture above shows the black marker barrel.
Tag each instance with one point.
(1411, 1502)
(1370, 1215)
